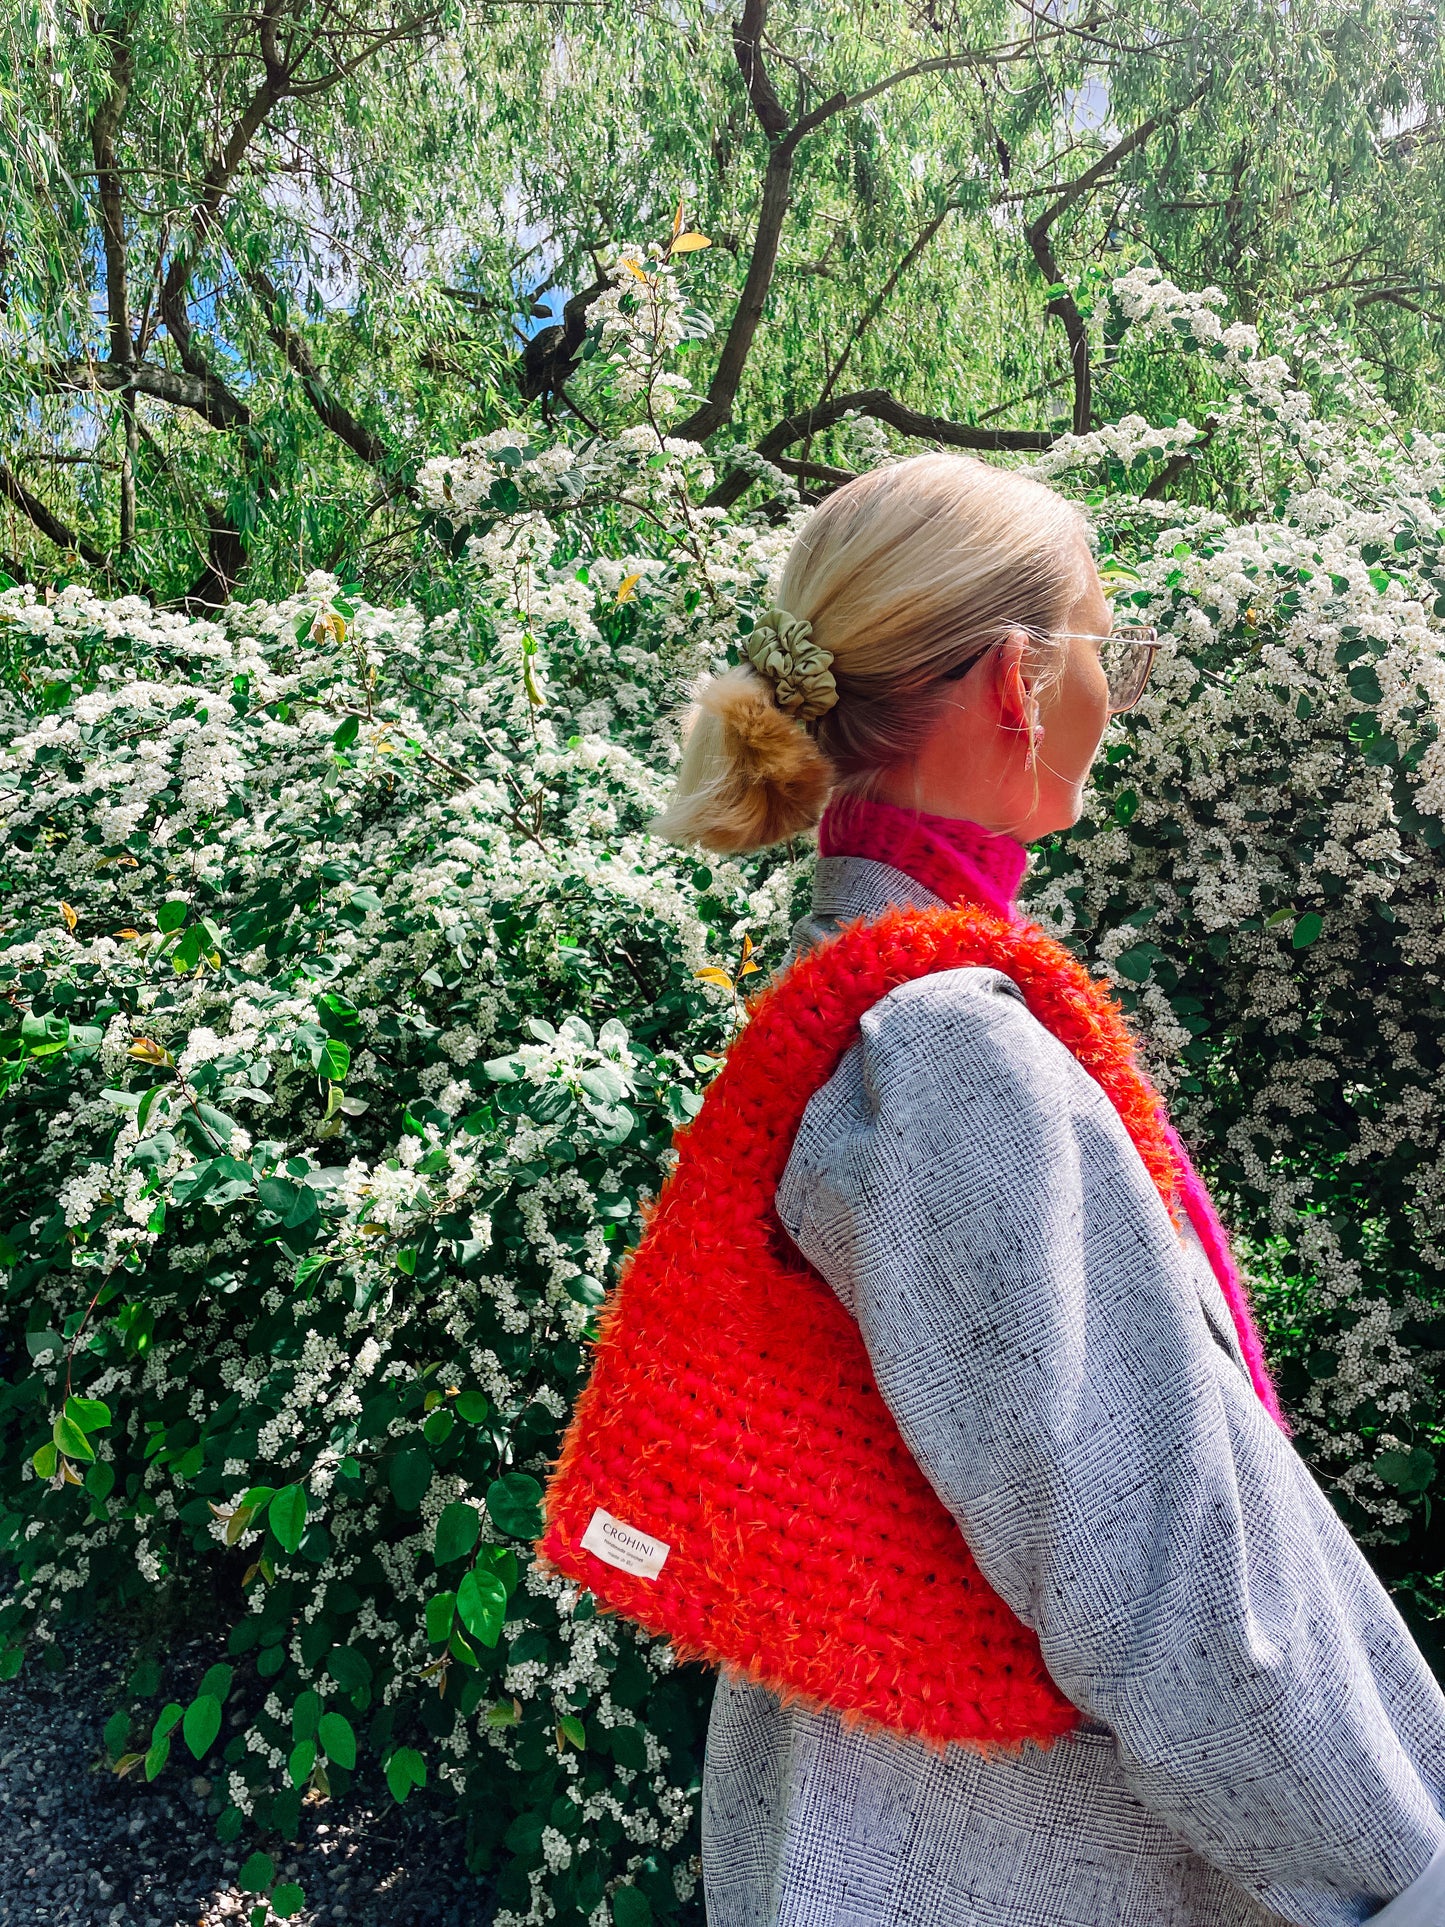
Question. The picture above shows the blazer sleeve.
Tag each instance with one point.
(1036, 1328)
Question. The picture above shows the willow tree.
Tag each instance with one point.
(256, 261)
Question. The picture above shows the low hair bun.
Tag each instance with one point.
(894, 585)
(750, 774)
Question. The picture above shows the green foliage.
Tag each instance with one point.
(1268, 901)
(299, 268)
(380, 1036)
(375, 1039)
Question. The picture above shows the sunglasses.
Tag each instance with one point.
(1126, 654)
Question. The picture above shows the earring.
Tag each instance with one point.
(1036, 736)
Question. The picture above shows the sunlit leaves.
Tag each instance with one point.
(481, 1604)
(287, 1515)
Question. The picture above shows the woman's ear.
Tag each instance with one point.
(1012, 691)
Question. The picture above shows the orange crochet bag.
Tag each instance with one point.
(731, 1476)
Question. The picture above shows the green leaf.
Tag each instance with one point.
(187, 953)
(409, 1476)
(1307, 929)
(573, 1729)
(346, 732)
(257, 1874)
(514, 1504)
(156, 1757)
(405, 1769)
(1136, 963)
(458, 1530)
(171, 915)
(472, 1407)
(293, 1204)
(335, 1060)
(288, 1516)
(90, 1414)
(277, 1194)
(1409, 1472)
(218, 1681)
(631, 1908)
(201, 1725)
(287, 1900)
(306, 1715)
(142, 1116)
(629, 1748)
(303, 1759)
(440, 1611)
(167, 1720)
(145, 1680)
(482, 1605)
(70, 1440)
(45, 1461)
(350, 1669)
(1364, 685)
(338, 1739)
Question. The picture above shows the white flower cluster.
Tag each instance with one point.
(359, 1007)
(1259, 867)
(317, 895)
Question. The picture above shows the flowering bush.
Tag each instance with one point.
(351, 1013)
(351, 1009)
(1260, 866)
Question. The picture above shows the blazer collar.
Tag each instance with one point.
(848, 887)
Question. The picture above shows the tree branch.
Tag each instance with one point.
(205, 394)
(331, 412)
(1037, 234)
(1181, 463)
(748, 51)
(815, 471)
(103, 129)
(266, 95)
(875, 307)
(717, 406)
(1397, 298)
(280, 81)
(49, 524)
(226, 554)
(883, 407)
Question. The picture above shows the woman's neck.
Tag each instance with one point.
(954, 857)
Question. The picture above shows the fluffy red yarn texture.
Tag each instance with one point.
(731, 1411)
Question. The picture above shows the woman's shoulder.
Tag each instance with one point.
(946, 1067)
(959, 1031)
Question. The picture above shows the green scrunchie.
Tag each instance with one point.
(781, 647)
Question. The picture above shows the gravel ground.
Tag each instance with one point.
(80, 1848)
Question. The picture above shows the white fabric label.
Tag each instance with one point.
(624, 1546)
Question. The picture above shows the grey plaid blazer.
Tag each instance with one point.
(1263, 1740)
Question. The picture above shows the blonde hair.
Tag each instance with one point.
(906, 574)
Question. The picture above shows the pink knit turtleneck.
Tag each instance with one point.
(948, 854)
(956, 858)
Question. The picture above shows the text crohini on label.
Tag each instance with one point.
(624, 1546)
